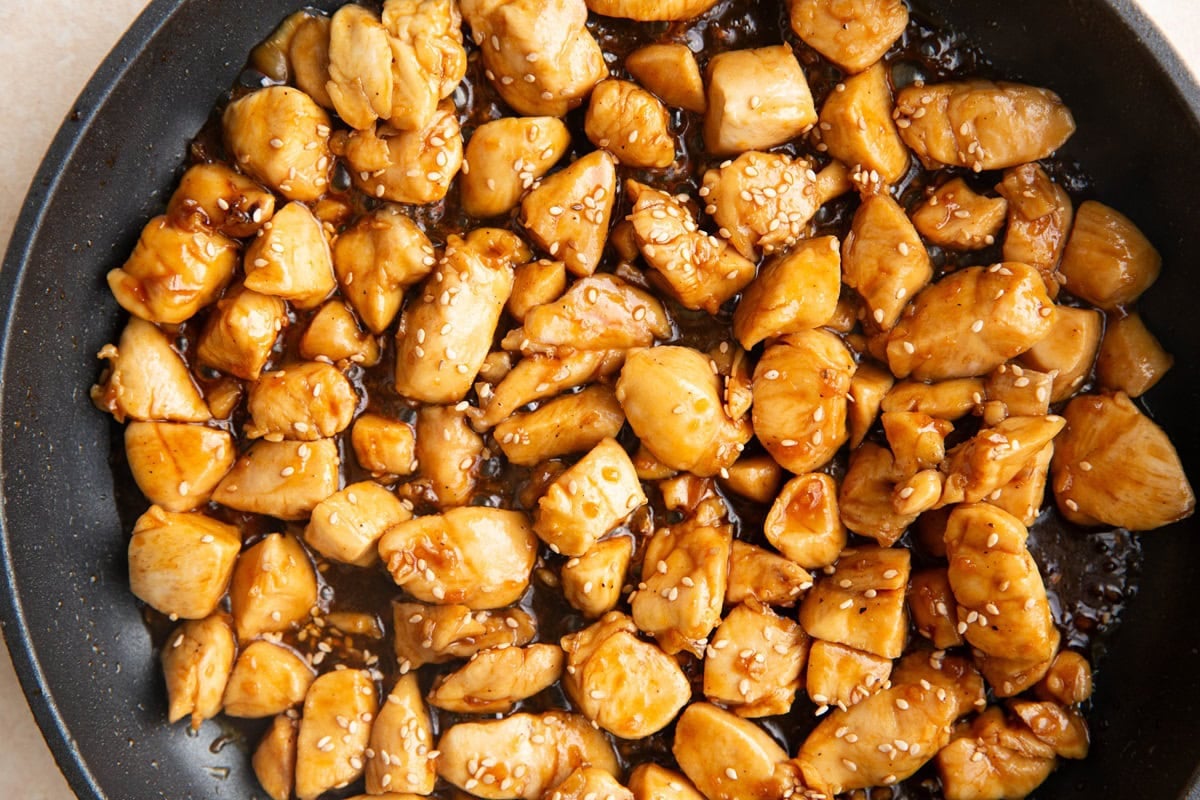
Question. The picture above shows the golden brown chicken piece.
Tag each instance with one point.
(631, 123)
(180, 564)
(240, 333)
(950, 400)
(383, 446)
(955, 216)
(1064, 729)
(448, 454)
(593, 582)
(795, 292)
(146, 379)
(1068, 681)
(535, 284)
(753, 664)
(360, 67)
(407, 166)
(804, 523)
(428, 60)
(590, 782)
(993, 457)
(333, 334)
(671, 72)
(568, 424)
(267, 679)
(651, 10)
(434, 634)
(307, 54)
(376, 259)
(1131, 359)
(853, 35)
(224, 200)
(728, 757)
(176, 465)
(196, 663)
(917, 441)
(865, 497)
(1040, 214)
(840, 676)
(600, 312)
(537, 377)
(1108, 260)
(328, 753)
(568, 214)
(493, 681)
(996, 760)
(281, 137)
(292, 259)
(756, 99)
(274, 587)
(281, 479)
(507, 156)
(933, 607)
(1068, 350)
(650, 781)
(869, 386)
(759, 575)
(884, 258)
(856, 127)
(861, 602)
(274, 759)
(400, 755)
(305, 402)
(347, 525)
(756, 477)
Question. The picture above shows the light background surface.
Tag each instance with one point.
(48, 50)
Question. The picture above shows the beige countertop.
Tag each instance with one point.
(50, 49)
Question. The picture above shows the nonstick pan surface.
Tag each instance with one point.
(76, 634)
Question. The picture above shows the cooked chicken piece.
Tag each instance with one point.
(993, 457)
(1069, 350)
(347, 525)
(308, 55)
(841, 676)
(792, 293)
(1131, 360)
(270, 56)
(1020, 392)
(868, 388)
(498, 362)
(933, 608)
(884, 258)
(494, 680)
(1108, 261)
(274, 759)
(291, 259)
(804, 523)
(632, 124)
(853, 35)
(917, 440)
(360, 67)
(447, 330)
(590, 782)
(949, 400)
(954, 673)
(1061, 728)
(649, 468)
(672, 399)
(627, 686)
(1009, 677)
(956, 217)
(758, 574)
(685, 573)
(646, 11)
(971, 322)
(700, 270)
(600, 312)
(671, 72)
(861, 602)
(523, 755)
(918, 493)
(329, 753)
(568, 424)
(537, 377)
(414, 166)
(756, 99)
(727, 757)
(752, 667)
(536, 283)
(568, 213)
(306, 401)
(281, 479)
(754, 477)
(384, 446)
(1039, 218)
(280, 137)
(400, 756)
(428, 60)
(649, 781)
(334, 334)
(800, 388)
(1002, 606)
(267, 679)
(592, 582)
(588, 500)
(240, 333)
(180, 564)
(1115, 466)
(146, 379)
(227, 201)
(997, 760)
(507, 156)
(223, 395)
(1024, 494)
(474, 555)
(448, 454)
(865, 498)
(274, 587)
(686, 493)
(548, 41)
(857, 129)
(1068, 681)
(764, 201)
(376, 259)
(434, 634)
(196, 663)
(177, 465)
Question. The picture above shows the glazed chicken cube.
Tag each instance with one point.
(1113, 465)
(1131, 359)
(993, 457)
(446, 332)
(756, 100)
(534, 284)
(804, 522)
(795, 292)
(627, 686)
(196, 664)
(307, 401)
(971, 322)
(434, 634)
(360, 67)
(280, 137)
(1009, 677)
(649, 781)
(448, 454)
(180, 564)
(917, 441)
(474, 555)
(841, 676)
(1021, 392)
(869, 386)
(996, 760)
(176, 465)
(600, 312)
(291, 259)
(672, 399)
(536, 377)
(955, 674)
(346, 526)
(933, 608)
(305, 53)
(756, 477)
(240, 333)
(590, 782)
(281, 479)
(428, 60)
(588, 500)
(267, 679)
(1039, 218)
(406, 166)
(333, 334)
(800, 388)
(329, 754)
(1069, 350)
(757, 574)
(1108, 260)
(861, 602)
(592, 582)
(651, 10)
(1068, 681)
(274, 587)
(146, 379)
(173, 271)
(383, 446)
(521, 756)
(400, 755)
(548, 42)
(957, 217)
(950, 400)
(671, 72)
(568, 424)
(493, 681)
(507, 156)
(274, 759)
(857, 129)
(727, 757)
(226, 201)
(853, 35)
(884, 259)
(631, 123)
(753, 664)
(568, 213)
(700, 270)
(1061, 728)
(865, 498)
(376, 259)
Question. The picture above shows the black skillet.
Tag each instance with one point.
(75, 632)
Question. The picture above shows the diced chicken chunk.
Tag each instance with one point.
(360, 66)
(649, 781)
(1108, 260)
(589, 782)
(884, 258)
(305, 402)
(291, 259)
(1039, 218)
(1061, 728)
(347, 525)
(196, 664)
(281, 137)
(281, 479)
(240, 333)
(997, 760)
(428, 58)
(671, 72)
(274, 759)
(842, 676)
(757, 574)
(993, 457)
(1068, 681)
(868, 388)
(534, 284)
(857, 129)
(227, 201)
(568, 424)
(727, 757)
(448, 454)
(917, 440)
(798, 291)
(507, 156)
(274, 587)
(376, 259)
(861, 603)
(334, 334)
(267, 679)
(753, 663)
(400, 756)
(328, 753)
(539, 376)
(1068, 350)
(146, 379)
(651, 10)
(593, 581)
(933, 608)
(865, 498)
(568, 214)
(175, 465)
(180, 564)
(853, 35)
(632, 124)
(434, 634)
(407, 166)
(493, 681)
(957, 217)
(383, 446)
(756, 100)
(1131, 359)
(804, 523)
(950, 400)
(600, 312)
